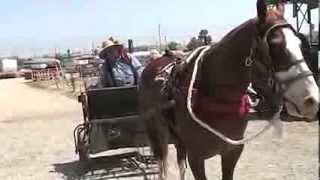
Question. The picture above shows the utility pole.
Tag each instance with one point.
(55, 52)
(92, 48)
(165, 42)
(130, 46)
(159, 32)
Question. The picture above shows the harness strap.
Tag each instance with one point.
(284, 24)
(284, 85)
(284, 68)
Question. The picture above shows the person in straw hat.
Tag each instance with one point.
(119, 67)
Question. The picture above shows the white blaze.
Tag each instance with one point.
(302, 88)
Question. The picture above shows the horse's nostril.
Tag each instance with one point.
(310, 101)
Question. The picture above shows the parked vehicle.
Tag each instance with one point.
(42, 69)
(8, 68)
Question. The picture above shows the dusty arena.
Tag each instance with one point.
(36, 127)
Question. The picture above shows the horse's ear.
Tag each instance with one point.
(261, 10)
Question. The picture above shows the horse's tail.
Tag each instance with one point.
(158, 138)
(152, 108)
(156, 129)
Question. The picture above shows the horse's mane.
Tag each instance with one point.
(250, 24)
(240, 27)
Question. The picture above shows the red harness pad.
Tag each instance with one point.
(228, 106)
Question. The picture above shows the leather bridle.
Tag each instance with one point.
(282, 84)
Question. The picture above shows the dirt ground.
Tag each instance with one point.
(36, 128)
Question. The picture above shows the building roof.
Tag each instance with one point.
(42, 61)
(84, 57)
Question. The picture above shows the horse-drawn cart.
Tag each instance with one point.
(111, 121)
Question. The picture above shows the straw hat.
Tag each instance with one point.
(107, 45)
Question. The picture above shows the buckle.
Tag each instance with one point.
(248, 62)
(270, 82)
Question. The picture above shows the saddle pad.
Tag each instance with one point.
(229, 106)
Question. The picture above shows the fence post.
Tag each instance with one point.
(73, 82)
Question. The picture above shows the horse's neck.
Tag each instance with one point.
(239, 40)
(224, 64)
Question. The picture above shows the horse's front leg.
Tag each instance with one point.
(197, 166)
(229, 161)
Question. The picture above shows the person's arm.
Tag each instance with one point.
(102, 81)
(137, 65)
(106, 79)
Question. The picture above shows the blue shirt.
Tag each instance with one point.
(122, 71)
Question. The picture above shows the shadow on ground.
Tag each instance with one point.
(125, 166)
(284, 117)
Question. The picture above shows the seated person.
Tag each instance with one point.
(119, 67)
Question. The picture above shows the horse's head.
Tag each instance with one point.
(283, 57)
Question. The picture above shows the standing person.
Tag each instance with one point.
(119, 67)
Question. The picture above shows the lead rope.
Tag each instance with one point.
(275, 120)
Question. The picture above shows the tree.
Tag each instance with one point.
(173, 45)
(95, 51)
(193, 44)
(202, 35)
(208, 40)
(204, 38)
(68, 52)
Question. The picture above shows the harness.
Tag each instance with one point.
(283, 86)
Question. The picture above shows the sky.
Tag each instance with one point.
(35, 27)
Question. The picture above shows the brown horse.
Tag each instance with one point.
(211, 86)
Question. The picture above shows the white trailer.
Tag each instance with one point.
(8, 68)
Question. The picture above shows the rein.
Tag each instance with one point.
(275, 119)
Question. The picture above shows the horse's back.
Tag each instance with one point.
(152, 70)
